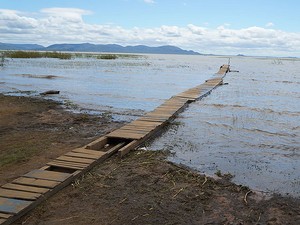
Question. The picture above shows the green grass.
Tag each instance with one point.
(19, 154)
(33, 54)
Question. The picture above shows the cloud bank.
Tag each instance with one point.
(67, 25)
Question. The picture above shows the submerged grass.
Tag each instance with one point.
(107, 56)
(2, 59)
(117, 56)
(34, 54)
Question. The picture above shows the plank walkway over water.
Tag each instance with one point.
(26, 192)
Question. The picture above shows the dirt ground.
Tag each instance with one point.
(35, 131)
(142, 188)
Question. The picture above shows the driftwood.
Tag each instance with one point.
(50, 92)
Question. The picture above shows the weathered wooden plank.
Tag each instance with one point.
(35, 182)
(75, 159)
(5, 215)
(48, 175)
(6, 193)
(117, 147)
(125, 135)
(25, 188)
(8, 205)
(160, 113)
(139, 122)
(134, 131)
(81, 155)
(65, 164)
(88, 151)
(171, 106)
(2, 220)
(97, 144)
(153, 119)
(124, 150)
(136, 126)
(137, 129)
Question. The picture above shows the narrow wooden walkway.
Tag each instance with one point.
(26, 192)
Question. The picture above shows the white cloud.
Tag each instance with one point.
(66, 25)
(270, 24)
(149, 1)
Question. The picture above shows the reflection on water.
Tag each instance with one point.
(249, 128)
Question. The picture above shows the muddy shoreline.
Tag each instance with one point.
(143, 188)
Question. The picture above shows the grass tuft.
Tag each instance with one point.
(107, 56)
(33, 54)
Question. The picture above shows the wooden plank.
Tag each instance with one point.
(145, 123)
(136, 126)
(6, 193)
(124, 150)
(35, 182)
(121, 131)
(74, 159)
(97, 144)
(132, 131)
(25, 188)
(20, 207)
(86, 151)
(65, 164)
(81, 155)
(124, 135)
(153, 119)
(2, 221)
(5, 215)
(138, 129)
(116, 147)
(48, 175)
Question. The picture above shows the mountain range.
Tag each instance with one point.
(112, 48)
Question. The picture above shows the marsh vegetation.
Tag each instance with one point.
(35, 54)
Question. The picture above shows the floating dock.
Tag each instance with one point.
(26, 192)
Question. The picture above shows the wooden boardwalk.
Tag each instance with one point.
(26, 192)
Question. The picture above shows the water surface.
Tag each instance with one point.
(249, 128)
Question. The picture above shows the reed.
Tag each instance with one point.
(33, 54)
(107, 56)
(2, 59)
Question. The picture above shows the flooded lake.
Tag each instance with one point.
(249, 128)
(138, 83)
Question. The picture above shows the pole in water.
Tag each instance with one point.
(229, 61)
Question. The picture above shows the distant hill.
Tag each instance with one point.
(6, 46)
(87, 47)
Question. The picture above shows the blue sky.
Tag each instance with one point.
(257, 27)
